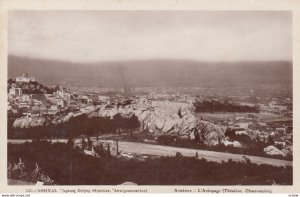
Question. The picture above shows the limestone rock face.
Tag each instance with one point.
(157, 117)
(28, 122)
(234, 143)
(169, 118)
(272, 150)
(111, 145)
(210, 133)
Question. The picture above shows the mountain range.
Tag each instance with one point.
(153, 72)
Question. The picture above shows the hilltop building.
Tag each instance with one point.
(24, 78)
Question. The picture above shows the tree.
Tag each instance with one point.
(197, 136)
(264, 139)
(106, 125)
(178, 154)
(118, 121)
(70, 126)
(108, 150)
(70, 143)
(83, 143)
(89, 143)
(93, 127)
(270, 140)
(117, 142)
(97, 126)
(219, 140)
(132, 123)
(257, 138)
(179, 113)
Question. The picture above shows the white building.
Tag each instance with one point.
(24, 105)
(243, 125)
(15, 91)
(281, 129)
(61, 102)
(24, 78)
(103, 98)
(63, 94)
(54, 108)
(25, 98)
(37, 102)
(262, 124)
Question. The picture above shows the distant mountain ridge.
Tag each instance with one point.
(156, 72)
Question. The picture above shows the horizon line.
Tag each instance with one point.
(142, 59)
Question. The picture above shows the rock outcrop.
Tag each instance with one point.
(210, 133)
(272, 150)
(233, 144)
(28, 122)
(169, 118)
(157, 117)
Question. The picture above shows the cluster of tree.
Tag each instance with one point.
(217, 106)
(255, 146)
(31, 87)
(126, 124)
(68, 166)
(247, 141)
(168, 140)
(94, 126)
(77, 126)
(125, 103)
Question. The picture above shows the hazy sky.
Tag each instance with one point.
(89, 36)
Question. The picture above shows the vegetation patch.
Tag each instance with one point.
(68, 166)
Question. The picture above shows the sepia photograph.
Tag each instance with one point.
(149, 97)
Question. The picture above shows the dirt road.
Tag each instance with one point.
(151, 149)
(142, 148)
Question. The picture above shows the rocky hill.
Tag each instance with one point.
(169, 118)
(31, 87)
(157, 117)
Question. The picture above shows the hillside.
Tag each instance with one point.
(170, 73)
